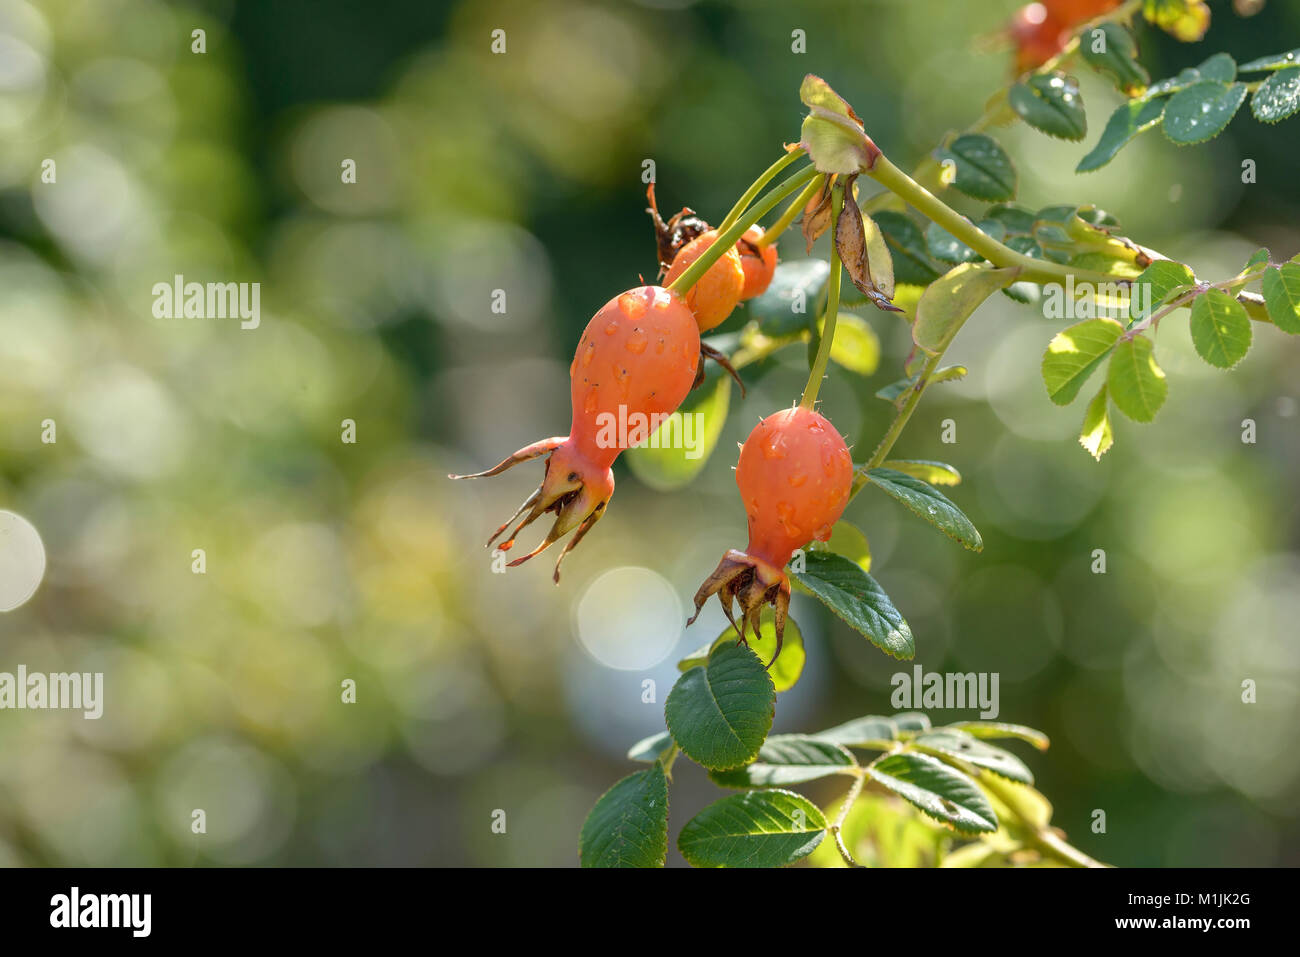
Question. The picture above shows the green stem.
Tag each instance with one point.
(728, 237)
(797, 205)
(837, 828)
(832, 312)
(757, 185)
(935, 209)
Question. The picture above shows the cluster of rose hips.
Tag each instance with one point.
(642, 352)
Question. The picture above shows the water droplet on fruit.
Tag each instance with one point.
(611, 328)
(637, 343)
(797, 478)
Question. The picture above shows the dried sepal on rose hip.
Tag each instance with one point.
(794, 475)
(635, 363)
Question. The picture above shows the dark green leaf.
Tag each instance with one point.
(907, 245)
(769, 828)
(929, 503)
(958, 744)
(1275, 61)
(720, 714)
(937, 789)
(1115, 54)
(1281, 289)
(860, 732)
(1017, 220)
(793, 295)
(1074, 354)
(787, 759)
(936, 473)
(1219, 66)
(628, 827)
(983, 169)
(784, 670)
(947, 247)
(1279, 97)
(1202, 111)
(1220, 329)
(1050, 102)
(1136, 383)
(1124, 125)
(855, 597)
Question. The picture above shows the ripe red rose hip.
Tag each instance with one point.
(716, 293)
(795, 474)
(634, 364)
(758, 262)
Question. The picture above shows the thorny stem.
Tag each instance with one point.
(791, 213)
(728, 237)
(831, 314)
(743, 203)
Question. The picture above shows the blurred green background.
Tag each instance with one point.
(522, 171)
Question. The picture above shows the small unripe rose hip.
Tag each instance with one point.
(716, 293)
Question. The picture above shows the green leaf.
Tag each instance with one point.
(1166, 279)
(1017, 220)
(1219, 66)
(937, 789)
(674, 454)
(784, 670)
(720, 714)
(949, 742)
(983, 169)
(1050, 102)
(856, 346)
(1136, 383)
(1220, 329)
(1260, 257)
(929, 503)
(649, 749)
(912, 265)
(1202, 111)
(1115, 54)
(1281, 288)
(628, 827)
(950, 299)
(1278, 97)
(894, 390)
(855, 597)
(847, 540)
(770, 828)
(936, 473)
(832, 133)
(787, 759)
(947, 247)
(1274, 61)
(792, 296)
(1124, 125)
(1074, 354)
(993, 730)
(1097, 436)
(863, 732)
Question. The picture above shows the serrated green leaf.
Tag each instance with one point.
(927, 502)
(858, 600)
(1274, 61)
(787, 759)
(649, 749)
(1074, 354)
(1278, 97)
(720, 714)
(937, 789)
(958, 744)
(1281, 288)
(906, 243)
(1115, 54)
(784, 670)
(1219, 66)
(847, 540)
(793, 295)
(944, 246)
(1202, 111)
(1129, 120)
(983, 168)
(1136, 383)
(1166, 279)
(1097, 435)
(628, 827)
(950, 299)
(993, 730)
(1220, 329)
(673, 456)
(863, 732)
(1260, 257)
(936, 473)
(1050, 102)
(769, 828)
